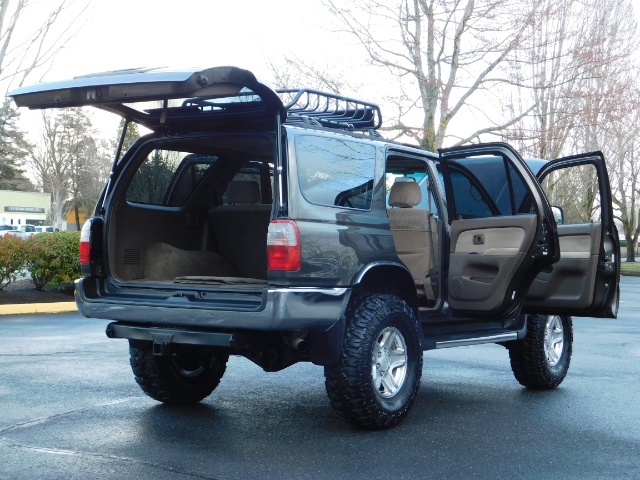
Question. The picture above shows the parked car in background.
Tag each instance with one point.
(28, 230)
(6, 230)
(44, 229)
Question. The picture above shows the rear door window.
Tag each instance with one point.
(487, 186)
(168, 177)
(259, 172)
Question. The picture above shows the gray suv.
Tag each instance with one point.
(281, 226)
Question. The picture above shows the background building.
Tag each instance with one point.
(20, 208)
(70, 223)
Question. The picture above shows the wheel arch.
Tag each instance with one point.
(387, 278)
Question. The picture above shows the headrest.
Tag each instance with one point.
(243, 192)
(405, 194)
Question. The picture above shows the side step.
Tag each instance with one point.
(461, 341)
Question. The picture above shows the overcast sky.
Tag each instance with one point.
(119, 34)
(246, 33)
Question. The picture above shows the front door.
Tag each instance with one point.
(585, 280)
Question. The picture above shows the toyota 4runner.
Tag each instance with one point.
(280, 226)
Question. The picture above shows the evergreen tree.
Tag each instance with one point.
(14, 148)
(132, 134)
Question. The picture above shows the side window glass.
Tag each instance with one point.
(575, 194)
(253, 172)
(521, 197)
(187, 178)
(419, 176)
(335, 172)
(469, 199)
(487, 186)
(167, 177)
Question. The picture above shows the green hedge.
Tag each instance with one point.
(50, 258)
(11, 259)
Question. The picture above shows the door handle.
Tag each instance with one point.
(478, 239)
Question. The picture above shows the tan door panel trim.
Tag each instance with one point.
(493, 238)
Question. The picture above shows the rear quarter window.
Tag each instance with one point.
(335, 172)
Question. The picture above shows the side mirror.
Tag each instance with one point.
(558, 214)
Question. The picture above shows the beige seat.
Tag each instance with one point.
(240, 228)
(412, 235)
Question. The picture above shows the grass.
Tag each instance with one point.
(630, 268)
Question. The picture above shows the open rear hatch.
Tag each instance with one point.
(191, 100)
(188, 207)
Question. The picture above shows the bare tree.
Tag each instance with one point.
(69, 163)
(577, 65)
(621, 145)
(448, 57)
(26, 48)
(295, 72)
(583, 83)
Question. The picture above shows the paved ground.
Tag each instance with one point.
(71, 409)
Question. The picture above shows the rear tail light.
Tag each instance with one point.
(85, 244)
(91, 247)
(283, 246)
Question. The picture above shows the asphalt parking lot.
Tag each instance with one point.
(71, 409)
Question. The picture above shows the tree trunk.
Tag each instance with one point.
(631, 247)
(75, 209)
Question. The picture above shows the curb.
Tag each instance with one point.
(30, 308)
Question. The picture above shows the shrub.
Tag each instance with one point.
(12, 255)
(52, 258)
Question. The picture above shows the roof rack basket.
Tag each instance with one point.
(330, 110)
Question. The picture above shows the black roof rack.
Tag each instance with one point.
(310, 106)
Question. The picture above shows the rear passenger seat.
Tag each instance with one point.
(412, 234)
(240, 228)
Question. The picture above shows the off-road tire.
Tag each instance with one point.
(532, 364)
(184, 377)
(351, 384)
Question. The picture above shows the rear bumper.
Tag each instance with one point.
(273, 309)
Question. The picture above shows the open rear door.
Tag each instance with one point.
(585, 280)
(502, 231)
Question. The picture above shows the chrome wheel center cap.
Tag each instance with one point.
(384, 361)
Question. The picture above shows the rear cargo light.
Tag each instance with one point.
(283, 246)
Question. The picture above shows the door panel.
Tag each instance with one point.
(484, 255)
(501, 226)
(572, 278)
(585, 281)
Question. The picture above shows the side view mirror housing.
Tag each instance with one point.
(558, 214)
